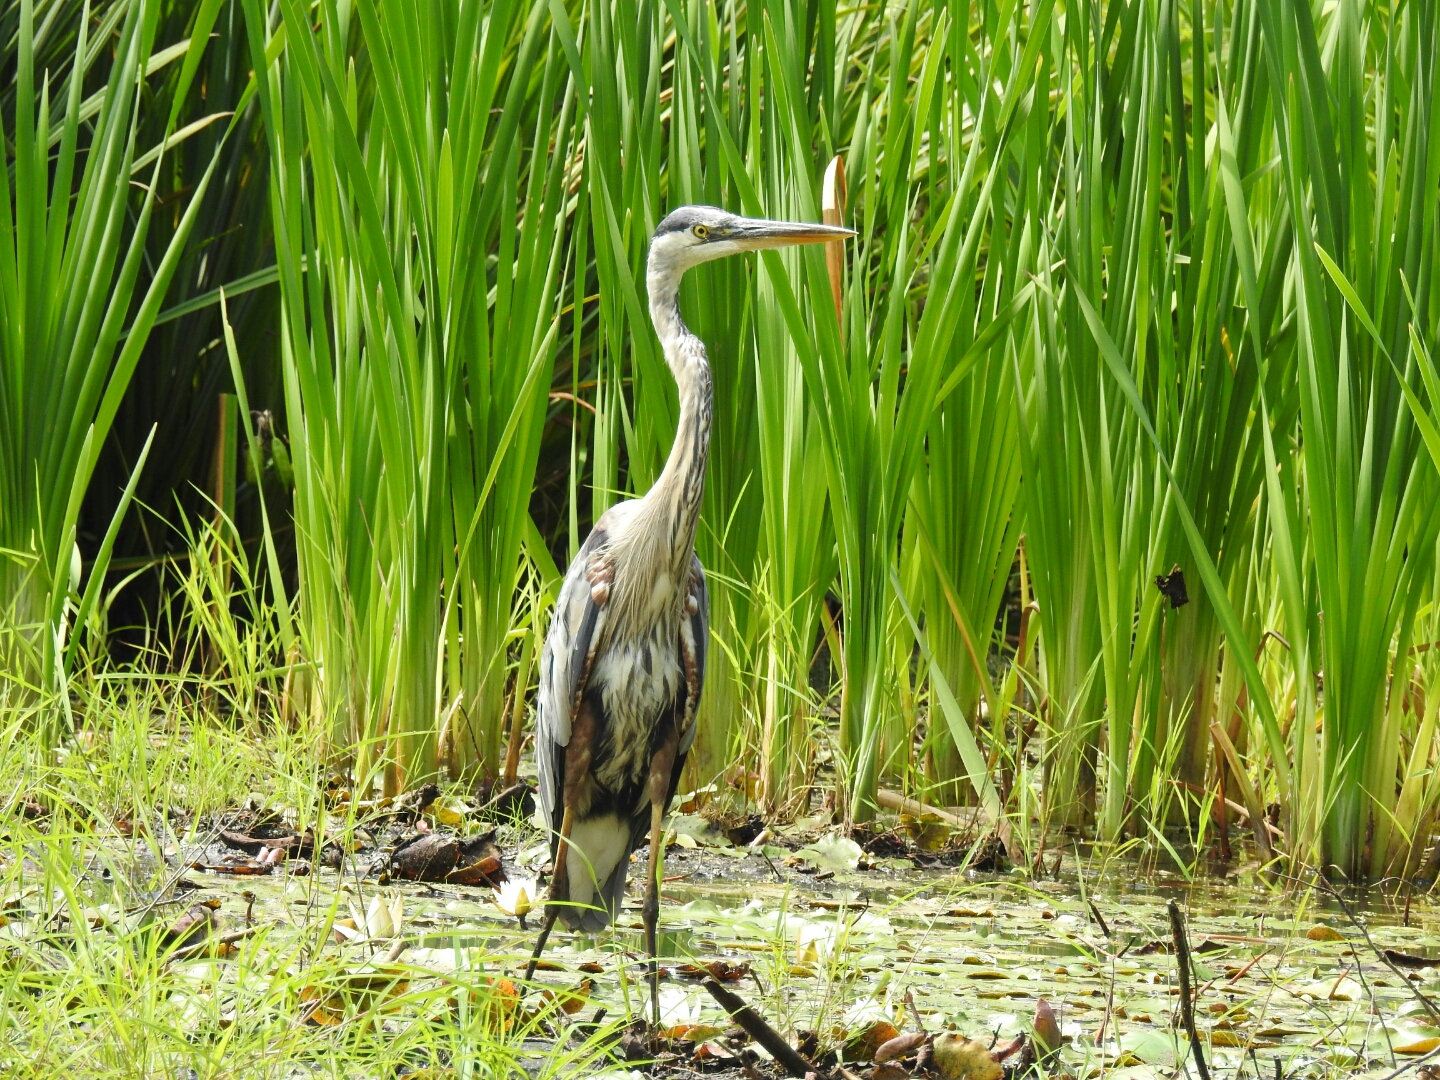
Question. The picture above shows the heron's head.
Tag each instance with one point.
(695, 234)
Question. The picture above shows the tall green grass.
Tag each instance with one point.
(1146, 284)
(78, 200)
(418, 211)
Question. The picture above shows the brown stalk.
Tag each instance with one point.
(1187, 1008)
(755, 1026)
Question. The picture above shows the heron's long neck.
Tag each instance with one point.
(678, 492)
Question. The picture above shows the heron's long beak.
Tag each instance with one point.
(753, 234)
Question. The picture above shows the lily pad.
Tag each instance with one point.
(832, 852)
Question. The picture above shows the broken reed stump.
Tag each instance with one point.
(1187, 1007)
(755, 1026)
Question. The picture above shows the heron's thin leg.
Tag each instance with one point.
(550, 917)
(557, 880)
(651, 911)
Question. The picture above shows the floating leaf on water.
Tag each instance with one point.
(719, 970)
(696, 832)
(1342, 989)
(832, 852)
(1420, 1046)
(1151, 1047)
(1324, 933)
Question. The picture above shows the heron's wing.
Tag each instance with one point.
(694, 639)
(564, 667)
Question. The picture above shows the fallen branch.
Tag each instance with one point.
(755, 1026)
(1187, 1008)
(186, 951)
(903, 804)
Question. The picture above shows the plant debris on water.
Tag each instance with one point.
(878, 966)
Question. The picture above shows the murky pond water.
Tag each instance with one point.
(1285, 980)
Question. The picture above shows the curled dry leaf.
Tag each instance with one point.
(1046, 1031)
(235, 864)
(433, 857)
(194, 926)
(711, 1050)
(268, 837)
(898, 1047)
(573, 1000)
(864, 1044)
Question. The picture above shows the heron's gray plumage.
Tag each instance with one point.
(624, 659)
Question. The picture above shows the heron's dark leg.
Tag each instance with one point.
(558, 880)
(651, 911)
(550, 917)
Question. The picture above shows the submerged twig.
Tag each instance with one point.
(1187, 1008)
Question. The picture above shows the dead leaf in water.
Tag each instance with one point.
(1046, 1031)
(899, 1046)
(191, 928)
(863, 1045)
(959, 1058)
(572, 1001)
(433, 857)
(1324, 933)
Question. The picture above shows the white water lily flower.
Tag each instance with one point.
(679, 1008)
(815, 941)
(516, 897)
(864, 1012)
(382, 918)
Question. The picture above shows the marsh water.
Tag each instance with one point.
(822, 941)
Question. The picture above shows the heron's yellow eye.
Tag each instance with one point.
(701, 232)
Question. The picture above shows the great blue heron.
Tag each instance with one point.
(624, 659)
